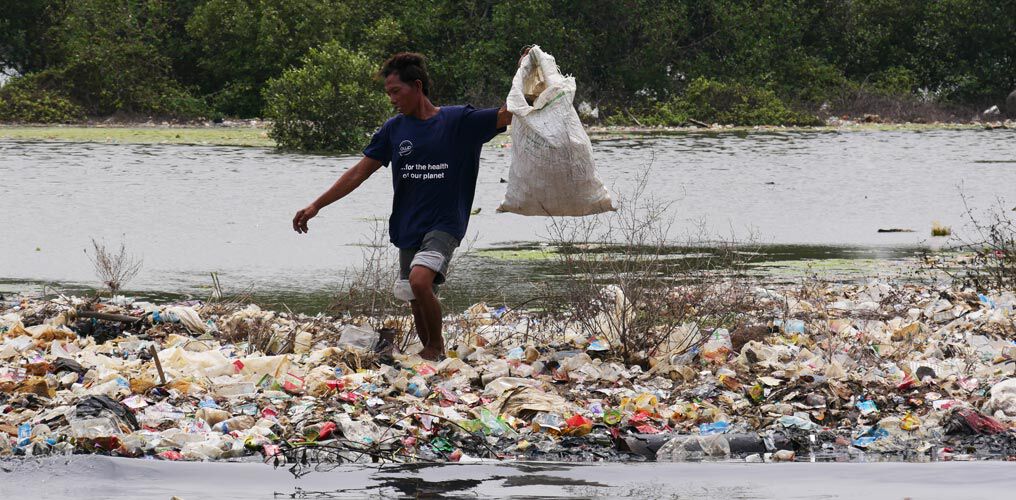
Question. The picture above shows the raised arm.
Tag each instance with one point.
(504, 117)
(347, 182)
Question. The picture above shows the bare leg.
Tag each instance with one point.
(421, 279)
(421, 325)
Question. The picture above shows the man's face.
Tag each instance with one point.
(402, 95)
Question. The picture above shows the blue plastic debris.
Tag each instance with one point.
(866, 406)
(874, 433)
(714, 428)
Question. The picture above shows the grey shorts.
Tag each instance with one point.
(435, 253)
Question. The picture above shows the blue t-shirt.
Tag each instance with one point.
(434, 167)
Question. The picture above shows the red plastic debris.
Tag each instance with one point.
(327, 430)
(171, 455)
(981, 424)
(908, 382)
(578, 421)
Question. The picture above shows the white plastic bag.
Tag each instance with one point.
(552, 170)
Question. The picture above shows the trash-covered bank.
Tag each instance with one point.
(880, 371)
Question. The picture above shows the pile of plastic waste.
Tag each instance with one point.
(881, 371)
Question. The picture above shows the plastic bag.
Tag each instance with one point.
(552, 170)
(694, 448)
(718, 346)
(355, 337)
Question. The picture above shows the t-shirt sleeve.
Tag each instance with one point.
(380, 147)
(480, 125)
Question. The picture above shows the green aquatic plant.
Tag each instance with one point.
(937, 229)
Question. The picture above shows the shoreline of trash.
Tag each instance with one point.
(847, 372)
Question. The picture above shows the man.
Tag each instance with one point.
(435, 154)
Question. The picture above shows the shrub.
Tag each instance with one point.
(114, 268)
(739, 104)
(331, 103)
(113, 79)
(895, 81)
(993, 244)
(657, 114)
(26, 100)
(814, 81)
(624, 283)
(717, 102)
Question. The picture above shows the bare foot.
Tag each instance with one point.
(431, 354)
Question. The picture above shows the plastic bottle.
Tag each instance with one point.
(238, 423)
(491, 424)
(794, 326)
(417, 386)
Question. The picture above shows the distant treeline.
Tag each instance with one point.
(631, 58)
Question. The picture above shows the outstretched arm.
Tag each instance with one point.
(350, 180)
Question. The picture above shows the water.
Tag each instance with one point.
(191, 210)
(98, 477)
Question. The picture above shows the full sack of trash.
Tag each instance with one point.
(552, 170)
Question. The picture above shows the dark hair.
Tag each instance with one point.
(410, 67)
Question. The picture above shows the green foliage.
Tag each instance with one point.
(244, 43)
(110, 61)
(383, 38)
(672, 113)
(711, 101)
(739, 104)
(330, 103)
(26, 100)
(182, 57)
(23, 26)
(895, 81)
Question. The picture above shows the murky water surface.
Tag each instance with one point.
(97, 477)
(191, 210)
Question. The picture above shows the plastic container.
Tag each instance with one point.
(235, 389)
(548, 422)
(303, 343)
(718, 347)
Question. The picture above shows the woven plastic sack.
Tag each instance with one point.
(552, 170)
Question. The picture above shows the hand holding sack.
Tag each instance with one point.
(552, 171)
